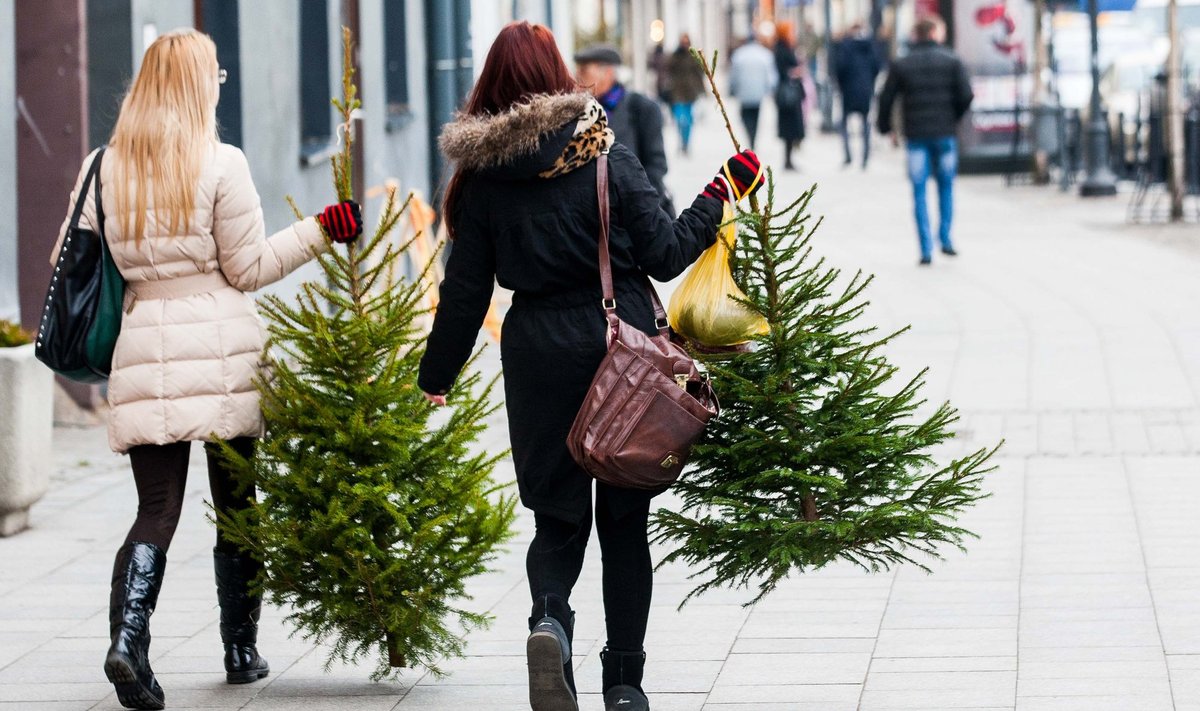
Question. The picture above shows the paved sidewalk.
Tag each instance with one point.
(1074, 337)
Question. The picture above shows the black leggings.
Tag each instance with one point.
(555, 560)
(160, 473)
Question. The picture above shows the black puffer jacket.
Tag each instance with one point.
(538, 237)
(935, 92)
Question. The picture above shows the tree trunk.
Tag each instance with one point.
(1174, 114)
(809, 506)
(395, 656)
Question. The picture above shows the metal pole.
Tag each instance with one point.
(827, 125)
(639, 44)
(442, 69)
(1100, 180)
(1040, 170)
(1175, 176)
(465, 70)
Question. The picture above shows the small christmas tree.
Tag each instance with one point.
(374, 511)
(812, 459)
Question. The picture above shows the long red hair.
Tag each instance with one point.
(523, 62)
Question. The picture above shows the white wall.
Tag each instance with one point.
(488, 17)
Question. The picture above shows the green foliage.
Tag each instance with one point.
(813, 460)
(819, 453)
(374, 509)
(12, 335)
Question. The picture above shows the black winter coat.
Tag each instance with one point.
(935, 92)
(857, 65)
(637, 122)
(538, 237)
(789, 94)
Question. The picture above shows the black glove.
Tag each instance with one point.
(342, 222)
(743, 173)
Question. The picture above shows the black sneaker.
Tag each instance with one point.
(949, 252)
(925, 261)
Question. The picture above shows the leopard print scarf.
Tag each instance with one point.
(592, 137)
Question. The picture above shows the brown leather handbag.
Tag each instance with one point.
(648, 403)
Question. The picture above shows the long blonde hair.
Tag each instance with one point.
(167, 125)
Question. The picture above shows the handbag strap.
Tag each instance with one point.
(609, 301)
(99, 202)
(81, 199)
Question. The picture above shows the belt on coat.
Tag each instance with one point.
(177, 287)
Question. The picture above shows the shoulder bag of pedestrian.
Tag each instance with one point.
(790, 92)
(82, 316)
(648, 403)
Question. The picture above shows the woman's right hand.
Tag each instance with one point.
(342, 222)
(438, 400)
(740, 176)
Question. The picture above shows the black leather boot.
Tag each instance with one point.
(239, 616)
(623, 680)
(137, 578)
(551, 676)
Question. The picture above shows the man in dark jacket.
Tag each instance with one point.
(935, 94)
(856, 66)
(635, 119)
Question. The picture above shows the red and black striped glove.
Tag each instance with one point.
(342, 222)
(743, 173)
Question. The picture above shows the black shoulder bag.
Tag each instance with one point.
(82, 316)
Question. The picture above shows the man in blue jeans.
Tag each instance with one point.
(935, 94)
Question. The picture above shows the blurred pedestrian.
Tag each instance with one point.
(685, 84)
(662, 81)
(790, 93)
(857, 66)
(935, 93)
(522, 209)
(634, 118)
(185, 229)
(752, 77)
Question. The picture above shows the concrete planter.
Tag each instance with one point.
(26, 429)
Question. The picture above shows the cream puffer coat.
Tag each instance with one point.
(191, 341)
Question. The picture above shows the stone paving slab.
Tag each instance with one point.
(1070, 335)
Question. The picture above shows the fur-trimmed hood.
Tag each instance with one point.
(526, 138)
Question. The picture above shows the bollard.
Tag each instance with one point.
(1191, 143)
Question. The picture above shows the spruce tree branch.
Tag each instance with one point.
(710, 71)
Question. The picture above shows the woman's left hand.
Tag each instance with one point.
(439, 400)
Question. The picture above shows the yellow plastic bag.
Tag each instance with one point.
(703, 307)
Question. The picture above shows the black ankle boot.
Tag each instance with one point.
(623, 680)
(239, 617)
(551, 676)
(137, 578)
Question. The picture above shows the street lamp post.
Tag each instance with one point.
(1100, 179)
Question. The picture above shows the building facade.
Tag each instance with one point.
(65, 65)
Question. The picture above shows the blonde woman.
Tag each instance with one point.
(185, 227)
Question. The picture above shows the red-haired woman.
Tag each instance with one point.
(522, 209)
